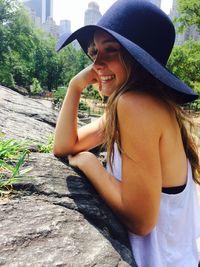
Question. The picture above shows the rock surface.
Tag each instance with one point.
(25, 118)
(54, 218)
(28, 119)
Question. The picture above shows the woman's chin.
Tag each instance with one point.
(105, 91)
(105, 94)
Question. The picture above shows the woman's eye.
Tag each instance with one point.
(111, 50)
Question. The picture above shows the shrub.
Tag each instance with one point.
(36, 88)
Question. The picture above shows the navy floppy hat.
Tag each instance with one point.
(148, 35)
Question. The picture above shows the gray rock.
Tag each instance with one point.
(55, 217)
(24, 118)
(30, 119)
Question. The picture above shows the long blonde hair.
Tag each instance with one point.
(139, 78)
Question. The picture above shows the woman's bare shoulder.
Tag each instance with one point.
(140, 106)
(140, 99)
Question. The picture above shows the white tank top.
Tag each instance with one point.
(172, 242)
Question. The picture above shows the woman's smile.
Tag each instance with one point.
(106, 78)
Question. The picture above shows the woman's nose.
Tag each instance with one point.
(99, 62)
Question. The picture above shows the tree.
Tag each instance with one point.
(18, 46)
(72, 61)
(184, 62)
(189, 14)
(27, 52)
(7, 10)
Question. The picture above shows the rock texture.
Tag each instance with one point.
(54, 218)
(25, 118)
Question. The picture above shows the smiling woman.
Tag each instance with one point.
(152, 162)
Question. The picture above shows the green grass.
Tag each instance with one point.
(46, 148)
(12, 158)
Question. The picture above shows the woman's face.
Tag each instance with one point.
(106, 55)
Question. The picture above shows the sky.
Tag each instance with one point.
(74, 10)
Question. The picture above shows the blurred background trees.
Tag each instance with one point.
(184, 61)
(189, 11)
(28, 54)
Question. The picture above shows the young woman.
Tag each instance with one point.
(152, 162)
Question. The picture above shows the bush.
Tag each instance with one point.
(83, 106)
(59, 95)
(6, 78)
(36, 88)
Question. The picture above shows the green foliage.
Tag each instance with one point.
(58, 96)
(91, 92)
(12, 157)
(10, 149)
(196, 86)
(36, 87)
(17, 46)
(193, 106)
(189, 11)
(184, 62)
(83, 106)
(27, 52)
(72, 61)
(7, 9)
(6, 77)
(47, 148)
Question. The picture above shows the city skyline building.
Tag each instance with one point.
(190, 33)
(156, 2)
(65, 26)
(92, 14)
(50, 26)
(41, 12)
(40, 8)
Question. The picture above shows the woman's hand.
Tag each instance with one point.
(85, 77)
(82, 160)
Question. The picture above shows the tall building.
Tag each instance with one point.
(92, 14)
(47, 9)
(42, 8)
(190, 33)
(156, 2)
(41, 12)
(50, 26)
(65, 26)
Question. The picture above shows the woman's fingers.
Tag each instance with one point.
(71, 160)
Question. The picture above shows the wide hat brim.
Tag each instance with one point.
(178, 89)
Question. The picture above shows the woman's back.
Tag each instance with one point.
(172, 154)
(173, 159)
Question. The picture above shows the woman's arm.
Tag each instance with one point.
(141, 133)
(136, 198)
(68, 139)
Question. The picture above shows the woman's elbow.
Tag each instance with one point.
(60, 152)
(142, 229)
